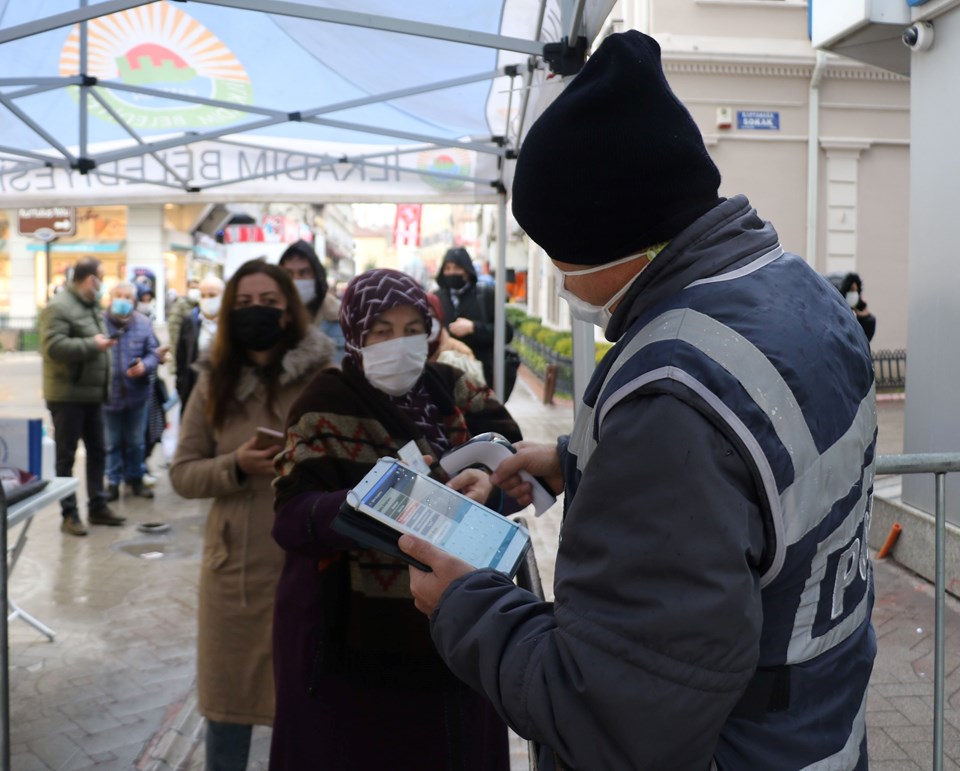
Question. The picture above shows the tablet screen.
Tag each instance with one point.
(426, 508)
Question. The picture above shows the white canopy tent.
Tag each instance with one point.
(218, 100)
(206, 101)
(138, 101)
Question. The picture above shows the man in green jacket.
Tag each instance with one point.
(76, 379)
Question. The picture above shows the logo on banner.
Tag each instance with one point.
(406, 227)
(161, 48)
(446, 166)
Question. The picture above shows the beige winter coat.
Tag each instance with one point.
(241, 562)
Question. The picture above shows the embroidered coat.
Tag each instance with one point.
(359, 684)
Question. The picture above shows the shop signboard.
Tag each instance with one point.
(47, 223)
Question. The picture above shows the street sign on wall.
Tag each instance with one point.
(763, 120)
(47, 223)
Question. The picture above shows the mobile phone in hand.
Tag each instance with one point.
(267, 437)
(116, 335)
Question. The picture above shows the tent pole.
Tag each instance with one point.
(84, 89)
(4, 642)
(500, 313)
(584, 354)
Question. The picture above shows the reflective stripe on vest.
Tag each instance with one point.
(820, 479)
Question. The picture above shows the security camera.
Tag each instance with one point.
(919, 36)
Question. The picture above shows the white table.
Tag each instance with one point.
(22, 513)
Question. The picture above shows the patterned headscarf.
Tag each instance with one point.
(365, 298)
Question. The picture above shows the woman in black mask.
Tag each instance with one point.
(468, 308)
(265, 352)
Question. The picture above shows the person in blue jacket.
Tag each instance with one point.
(125, 412)
(713, 587)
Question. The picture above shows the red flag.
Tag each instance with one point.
(406, 227)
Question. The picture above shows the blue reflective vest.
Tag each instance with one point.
(771, 354)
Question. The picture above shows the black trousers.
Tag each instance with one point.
(73, 421)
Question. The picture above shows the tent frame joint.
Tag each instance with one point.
(84, 165)
(564, 58)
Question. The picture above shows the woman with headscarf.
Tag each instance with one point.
(263, 355)
(359, 684)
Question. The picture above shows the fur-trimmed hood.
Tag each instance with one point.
(314, 352)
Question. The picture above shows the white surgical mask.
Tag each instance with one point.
(595, 314)
(434, 330)
(307, 288)
(193, 295)
(853, 298)
(210, 306)
(394, 366)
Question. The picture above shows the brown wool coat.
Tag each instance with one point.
(241, 562)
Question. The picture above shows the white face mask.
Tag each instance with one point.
(307, 288)
(394, 366)
(210, 306)
(584, 311)
(853, 298)
(193, 295)
(434, 330)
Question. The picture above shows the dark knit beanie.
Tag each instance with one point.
(616, 163)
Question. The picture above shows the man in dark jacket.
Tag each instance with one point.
(76, 378)
(713, 587)
(471, 307)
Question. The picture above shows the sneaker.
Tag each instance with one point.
(141, 490)
(73, 525)
(149, 480)
(105, 516)
(113, 492)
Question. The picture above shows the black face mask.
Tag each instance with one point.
(455, 281)
(256, 327)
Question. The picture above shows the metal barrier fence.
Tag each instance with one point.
(890, 369)
(938, 464)
(540, 358)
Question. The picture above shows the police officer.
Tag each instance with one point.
(712, 587)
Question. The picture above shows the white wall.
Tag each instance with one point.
(145, 247)
(932, 420)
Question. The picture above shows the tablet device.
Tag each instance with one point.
(395, 495)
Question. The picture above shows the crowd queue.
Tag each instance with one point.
(713, 588)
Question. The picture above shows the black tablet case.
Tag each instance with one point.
(367, 531)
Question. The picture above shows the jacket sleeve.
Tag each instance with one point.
(149, 355)
(58, 344)
(655, 629)
(198, 470)
(483, 326)
(302, 524)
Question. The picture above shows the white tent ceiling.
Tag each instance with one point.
(130, 101)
